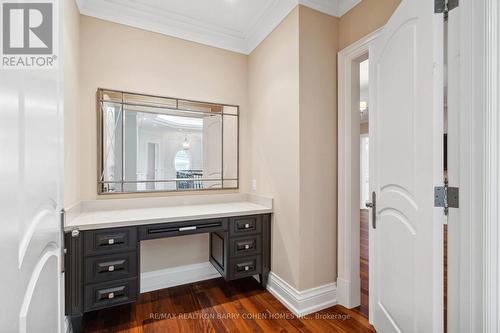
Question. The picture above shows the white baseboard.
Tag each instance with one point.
(302, 303)
(176, 276)
(348, 293)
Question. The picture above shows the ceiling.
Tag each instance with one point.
(236, 25)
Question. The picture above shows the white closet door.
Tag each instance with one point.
(31, 173)
(406, 148)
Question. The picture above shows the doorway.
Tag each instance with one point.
(152, 164)
(353, 176)
(364, 184)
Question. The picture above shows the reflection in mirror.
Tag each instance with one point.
(167, 146)
(112, 150)
(230, 147)
(147, 147)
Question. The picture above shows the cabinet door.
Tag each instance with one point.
(219, 252)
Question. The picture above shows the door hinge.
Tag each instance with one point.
(446, 197)
(444, 6)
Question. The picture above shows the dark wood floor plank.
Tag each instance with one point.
(364, 260)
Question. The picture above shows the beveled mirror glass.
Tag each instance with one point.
(151, 143)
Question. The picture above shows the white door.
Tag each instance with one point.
(30, 200)
(406, 143)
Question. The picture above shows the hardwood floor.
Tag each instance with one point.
(218, 306)
(363, 259)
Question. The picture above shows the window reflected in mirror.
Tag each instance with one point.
(151, 143)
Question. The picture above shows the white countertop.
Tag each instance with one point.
(112, 213)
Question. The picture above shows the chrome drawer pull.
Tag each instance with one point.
(111, 295)
(111, 241)
(187, 228)
(247, 247)
(111, 268)
(245, 267)
(247, 226)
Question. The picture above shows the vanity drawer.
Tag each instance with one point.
(107, 294)
(110, 240)
(244, 225)
(181, 228)
(244, 246)
(246, 266)
(111, 267)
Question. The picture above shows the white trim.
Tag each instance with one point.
(176, 276)
(474, 280)
(491, 212)
(302, 303)
(348, 279)
(346, 5)
(454, 177)
(324, 6)
(471, 272)
(265, 24)
(139, 15)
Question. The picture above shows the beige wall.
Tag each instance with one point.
(367, 16)
(115, 56)
(287, 90)
(292, 95)
(71, 60)
(273, 88)
(318, 147)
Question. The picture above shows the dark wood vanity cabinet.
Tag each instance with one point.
(243, 250)
(102, 266)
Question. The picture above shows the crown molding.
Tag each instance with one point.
(267, 22)
(346, 5)
(160, 20)
(325, 6)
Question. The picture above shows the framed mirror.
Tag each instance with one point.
(151, 143)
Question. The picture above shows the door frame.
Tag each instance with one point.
(480, 164)
(491, 122)
(348, 279)
(474, 283)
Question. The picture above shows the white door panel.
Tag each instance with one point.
(31, 173)
(406, 136)
(41, 306)
(33, 204)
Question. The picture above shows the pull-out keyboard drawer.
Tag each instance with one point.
(111, 267)
(181, 228)
(107, 294)
(110, 240)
